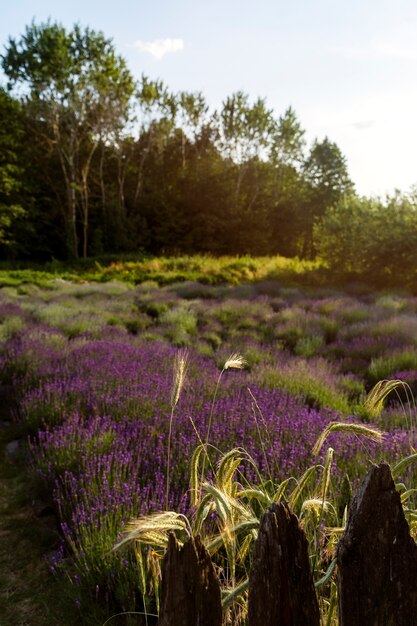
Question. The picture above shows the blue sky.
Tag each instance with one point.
(348, 68)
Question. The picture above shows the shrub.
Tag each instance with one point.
(384, 367)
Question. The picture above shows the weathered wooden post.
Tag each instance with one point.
(377, 558)
(281, 589)
(190, 590)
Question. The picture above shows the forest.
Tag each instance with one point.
(94, 162)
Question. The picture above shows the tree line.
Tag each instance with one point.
(93, 162)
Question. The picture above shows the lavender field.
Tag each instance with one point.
(91, 367)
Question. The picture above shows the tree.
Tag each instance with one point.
(288, 141)
(343, 235)
(80, 89)
(193, 111)
(371, 238)
(11, 166)
(157, 112)
(245, 132)
(326, 175)
(286, 184)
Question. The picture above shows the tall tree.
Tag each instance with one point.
(79, 87)
(193, 111)
(11, 166)
(245, 132)
(286, 183)
(326, 174)
(157, 110)
(288, 141)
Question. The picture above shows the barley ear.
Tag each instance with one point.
(235, 361)
(180, 371)
(350, 429)
(194, 482)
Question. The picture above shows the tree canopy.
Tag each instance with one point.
(79, 90)
(93, 161)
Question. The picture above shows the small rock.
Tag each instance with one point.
(12, 450)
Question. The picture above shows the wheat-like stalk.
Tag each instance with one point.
(298, 489)
(325, 481)
(153, 529)
(405, 462)
(374, 401)
(235, 361)
(315, 504)
(180, 370)
(350, 429)
(255, 405)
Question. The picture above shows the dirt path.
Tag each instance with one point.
(29, 595)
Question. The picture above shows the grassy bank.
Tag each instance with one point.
(204, 269)
(167, 270)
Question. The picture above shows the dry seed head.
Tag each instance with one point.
(374, 401)
(153, 529)
(315, 504)
(235, 361)
(350, 429)
(180, 371)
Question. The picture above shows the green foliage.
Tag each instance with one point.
(369, 238)
(136, 325)
(327, 181)
(181, 323)
(11, 167)
(383, 367)
(154, 309)
(308, 346)
(182, 179)
(10, 326)
(311, 382)
(353, 388)
(37, 597)
(205, 269)
(79, 94)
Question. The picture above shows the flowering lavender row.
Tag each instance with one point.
(109, 450)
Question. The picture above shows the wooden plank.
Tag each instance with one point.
(281, 589)
(190, 590)
(377, 558)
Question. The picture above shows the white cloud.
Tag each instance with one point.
(160, 47)
(363, 124)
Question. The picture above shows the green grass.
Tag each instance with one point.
(169, 270)
(200, 269)
(383, 367)
(310, 382)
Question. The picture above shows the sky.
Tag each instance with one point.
(347, 67)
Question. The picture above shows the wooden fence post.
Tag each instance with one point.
(281, 589)
(190, 590)
(377, 558)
